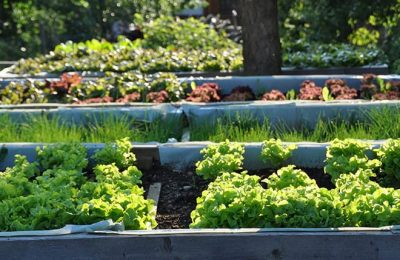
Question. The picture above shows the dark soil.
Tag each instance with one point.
(180, 189)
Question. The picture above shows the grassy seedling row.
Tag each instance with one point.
(104, 129)
(377, 124)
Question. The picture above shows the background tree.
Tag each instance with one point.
(261, 41)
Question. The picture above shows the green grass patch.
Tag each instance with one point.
(382, 123)
(107, 128)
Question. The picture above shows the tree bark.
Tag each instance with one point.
(261, 42)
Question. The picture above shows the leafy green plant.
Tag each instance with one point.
(233, 200)
(347, 156)
(383, 86)
(67, 156)
(116, 195)
(118, 153)
(389, 155)
(365, 203)
(291, 94)
(171, 32)
(289, 177)
(219, 158)
(274, 153)
(14, 181)
(61, 194)
(303, 206)
(238, 200)
(326, 95)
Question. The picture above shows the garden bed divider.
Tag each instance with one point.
(185, 154)
(383, 69)
(207, 244)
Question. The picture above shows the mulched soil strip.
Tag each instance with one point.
(181, 188)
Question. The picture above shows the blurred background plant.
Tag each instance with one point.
(30, 27)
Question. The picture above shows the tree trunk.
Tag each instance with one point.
(261, 44)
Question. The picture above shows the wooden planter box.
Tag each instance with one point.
(172, 244)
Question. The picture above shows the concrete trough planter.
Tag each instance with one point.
(284, 83)
(82, 113)
(182, 155)
(252, 243)
(307, 155)
(375, 69)
(291, 113)
(146, 154)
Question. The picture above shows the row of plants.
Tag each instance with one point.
(59, 189)
(103, 129)
(166, 87)
(371, 88)
(172, 44)
(119, 88)
(374, 124)
(169, 44)
(365, 191)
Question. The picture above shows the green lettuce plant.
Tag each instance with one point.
(365, 202)
(348, 156)
(63, 194)
(118, 153)
(218, 158)
(69, 156)
(233, 200)
(389, 155)
(274, 153)
(289, 177)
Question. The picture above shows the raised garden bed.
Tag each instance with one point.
(134, 87)
(181, 186)
(250, 243)
(178, 199)
(371, 69)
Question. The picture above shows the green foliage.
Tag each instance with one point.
(118, 153)
(347, 156)
(294, 200)
(365, 203)
(303, 207)
(61, 194)
(291, 94)
(308, 54)
(389, 155)
(289, 177)
(191, 33)
(37, 26)
(274, 153)
(380, 123)
(326, 94)
(103, 129)
(27, 92)
(14, 182)
(238, 200)
(116, 195)
(111, 174)
(362, 37)
(67, 156)
(329, 21)
(233, 200)
(143, 60)
(219, 158)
